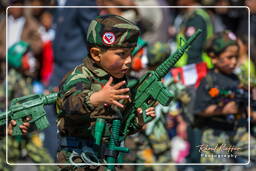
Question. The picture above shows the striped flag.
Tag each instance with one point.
(190, 74)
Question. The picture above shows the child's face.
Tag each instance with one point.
(46, 20)
(227, 60)
(116, 61)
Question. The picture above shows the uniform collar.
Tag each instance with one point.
(94, 68)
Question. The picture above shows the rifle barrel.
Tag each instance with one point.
(164, 68)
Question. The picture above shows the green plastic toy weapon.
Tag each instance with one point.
(150, 89)
(31, 106)
(147, 91)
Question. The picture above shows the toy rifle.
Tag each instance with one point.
(239, 95)
(30, 106)
(150, 89)
(146, 93)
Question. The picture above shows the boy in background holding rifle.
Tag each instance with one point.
(216, 118)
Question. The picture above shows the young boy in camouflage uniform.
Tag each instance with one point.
(96, 89)
(219, 119)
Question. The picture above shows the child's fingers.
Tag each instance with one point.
(122, 91)
(122, 97)
(118, 104)
(26, 124)
(109, 81)
(13, 123)
(118, 85)
(24, 130)
(23, 127)
(140, 117)
(150, 109)
(139, 111)
(10, 126)
(151, 113)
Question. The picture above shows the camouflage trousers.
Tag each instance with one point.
(19, 149)
(222, 146)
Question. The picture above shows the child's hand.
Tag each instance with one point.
(110, 94)
(230, 108)
(24, 127)
(149, 112)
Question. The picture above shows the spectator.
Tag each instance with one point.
(20, 27)
(47, 35)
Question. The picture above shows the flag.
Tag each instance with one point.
(190, 74)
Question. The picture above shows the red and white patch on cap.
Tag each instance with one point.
(190, 30)
(109, 38)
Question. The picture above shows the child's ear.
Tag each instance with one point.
(213, 57)
(95, 54)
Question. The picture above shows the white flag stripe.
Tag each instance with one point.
(190, 74)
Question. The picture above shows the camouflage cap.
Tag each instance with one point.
(157, 53)
(220, 42)
(112, 31)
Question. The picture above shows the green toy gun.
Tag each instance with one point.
(28, 106)
(150, 89)
(147, 91)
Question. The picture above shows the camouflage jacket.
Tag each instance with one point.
(75, 113)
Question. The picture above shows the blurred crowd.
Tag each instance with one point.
(44, 44)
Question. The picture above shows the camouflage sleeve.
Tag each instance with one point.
(74, 98)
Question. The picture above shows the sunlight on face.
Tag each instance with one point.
(227, 60)
(116, 61)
